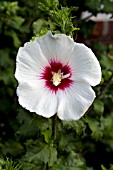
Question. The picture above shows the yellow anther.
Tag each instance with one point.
(56, 79)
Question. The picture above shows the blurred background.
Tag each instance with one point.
(92, 136)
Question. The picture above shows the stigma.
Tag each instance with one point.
(57, 77)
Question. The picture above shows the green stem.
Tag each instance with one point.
(54, 119)
(47, 166)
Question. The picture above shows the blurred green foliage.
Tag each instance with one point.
(9, 165)
(54, 17)
(86, 144)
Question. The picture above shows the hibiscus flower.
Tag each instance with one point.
(55, 75)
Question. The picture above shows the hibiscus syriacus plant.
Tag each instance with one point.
(55, 75)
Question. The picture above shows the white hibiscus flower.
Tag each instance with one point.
(55, 75)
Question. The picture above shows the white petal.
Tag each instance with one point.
(47, 106)
(85, 65)
(56, 47)
(30, 62)
(74, 102)
(37, 99)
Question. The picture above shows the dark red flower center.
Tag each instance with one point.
(57, 76)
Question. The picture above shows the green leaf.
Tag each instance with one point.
(15, 22)
(103, 167)
(106, 74)
(106, 62)
(58, 19)
(31, 124)
(38, 25)
(2, 161)
(98, 106)
(52, 156)
(94, 8)
(108, 6)
(79, 126)
(72, 161)
(32, 166)
(47, 154)
(47, 135)
(99, 46)
(96, 128)
(48, 5)
(14, 148)
(15, 37)
(111, 167)
(10, 165)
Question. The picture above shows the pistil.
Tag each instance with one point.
(57, 77)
